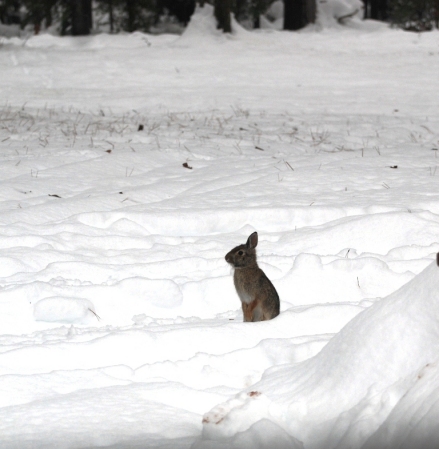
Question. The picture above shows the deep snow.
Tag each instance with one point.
(120, 326)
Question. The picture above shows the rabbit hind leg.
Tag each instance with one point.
(252, 311)
(258, 314)
(247, 312)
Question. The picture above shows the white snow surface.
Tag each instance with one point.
(120, 326)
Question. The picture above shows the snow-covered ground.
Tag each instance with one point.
(132, 164)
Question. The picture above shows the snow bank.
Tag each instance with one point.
(10, 31)
(65, 310)
(203, 27)
(368, 365)
(331, 13)
(263, 434)
(413, 422)
(94, 42)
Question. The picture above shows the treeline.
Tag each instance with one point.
(77, 17)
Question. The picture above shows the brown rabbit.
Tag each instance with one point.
(259, 298)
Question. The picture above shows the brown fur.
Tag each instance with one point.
(259, 298)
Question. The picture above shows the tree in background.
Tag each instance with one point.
(257, 7)
(81, 17)
(10, 12)
(75, 16)
(436, 13)
(414, 15)
(182, 10)
(222, 11)
(107, 6)
(298, 13)
(376, 9)
(113, 10)
(127, 15)
(248, 12)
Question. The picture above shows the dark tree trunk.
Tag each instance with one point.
(131, 10)
(48, 13)
(258, 7)
(239, 9)
(257, 22)
(111, 16)
(378, 9)
(294, 14)
(81, 17)
(310, 11)
(222, 13)
(366, 9)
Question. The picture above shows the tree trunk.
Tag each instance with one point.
(131, 10)
(257, 8)
(374, 9)
(239, 9)
(311, 11)
(378, 9)
(111, 15)
(294, 14)
(81, 17)
(257, 21)
(48, 14)
(366, 9)
(222, 13)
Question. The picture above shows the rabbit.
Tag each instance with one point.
(259, 298)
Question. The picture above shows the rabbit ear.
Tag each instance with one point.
(252, 241)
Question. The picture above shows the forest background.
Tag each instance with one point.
(82, 17)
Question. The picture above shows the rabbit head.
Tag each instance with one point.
(244, 255)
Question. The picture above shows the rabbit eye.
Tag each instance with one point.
(240, 253)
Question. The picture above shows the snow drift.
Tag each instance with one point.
(366, 370)
(202, 26)
(65, 310)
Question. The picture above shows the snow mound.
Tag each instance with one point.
(9, 31)
(263, 434)
(46, 40)
(330, 12)
(203, 25)
(276, 10)
(368, 366)
(413, 421)
(65, 310)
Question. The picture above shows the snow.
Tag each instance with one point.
(330, 13)
(120, 324)
(64, 310)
